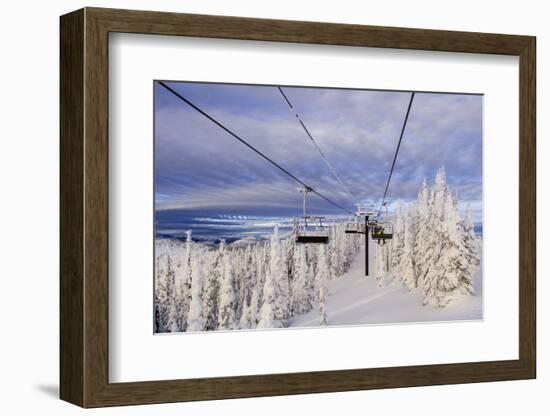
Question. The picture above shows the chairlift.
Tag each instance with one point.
(355, 227)
(362, 211)
(382, 230)
(308, 233)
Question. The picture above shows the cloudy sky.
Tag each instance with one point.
(198, 166)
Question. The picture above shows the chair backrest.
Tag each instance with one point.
(312, 239)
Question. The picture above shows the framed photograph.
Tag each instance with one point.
(255, 207)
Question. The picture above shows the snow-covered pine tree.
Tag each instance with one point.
(159, 309)
(157, 318)
(380, 262)
(421, 233)
(262, 269)
(406, 267)
(271, 310)
(311, 286)
(226, 303)
(164, 289)
(388, 255)
(260, 258)
(350, 246)
(431, 238)
(212, 288)
(383, 263)
(279, 279)
(266, 317)
(431, 233)
(196, 318)
(249, 318)
(290, 248)
(239, 266)
(398, 243)
(246, 320)
(299, 301)
(183, 283)
(172, 298)
(248, 274)
(321, 278)
(448, 275)
(336, 250)
(471, 242)
(412, 230)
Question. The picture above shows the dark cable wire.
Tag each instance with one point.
(285, 97)
(395, 155)
(193, 106)
(331, 168)
(323, 156)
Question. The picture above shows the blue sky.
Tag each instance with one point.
(198, 166)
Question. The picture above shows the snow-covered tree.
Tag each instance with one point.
(421, 234)
(246, 312)
(300, 297)
(398, 242)
(173, 310)
(290, 249)
(382, 262)
(262, 270)
(336, 251)
(448, 273)
(165, 294)
(321, 278)
(182, 286)
(267, 312)
(402, 247)
(157, 317)
(407, 266)
(471, 242)
(196, 318)
(212, 288)
(226, 302)
(246, 320)
(249, 317)
(279, 279)
(271, 311)
(351, 246)
(311, 285)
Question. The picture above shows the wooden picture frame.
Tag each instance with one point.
(84, 207)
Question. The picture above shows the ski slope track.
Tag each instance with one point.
(356, 299)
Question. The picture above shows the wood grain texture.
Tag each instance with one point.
(527, 208)
(96, 208)
(84, 207)
(71, 100)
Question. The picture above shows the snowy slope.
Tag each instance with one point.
(355, 299)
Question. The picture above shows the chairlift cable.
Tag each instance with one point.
(396, 152)
(325, 158)
(213, 120)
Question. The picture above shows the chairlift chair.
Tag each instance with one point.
(307, 233)
(355, 228)
(382, 230)
(312, 234)
(358, 227)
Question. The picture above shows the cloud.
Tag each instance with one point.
(197, 164)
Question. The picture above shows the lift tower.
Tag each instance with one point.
(362, 229)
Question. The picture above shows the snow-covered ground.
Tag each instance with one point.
(355, 299)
